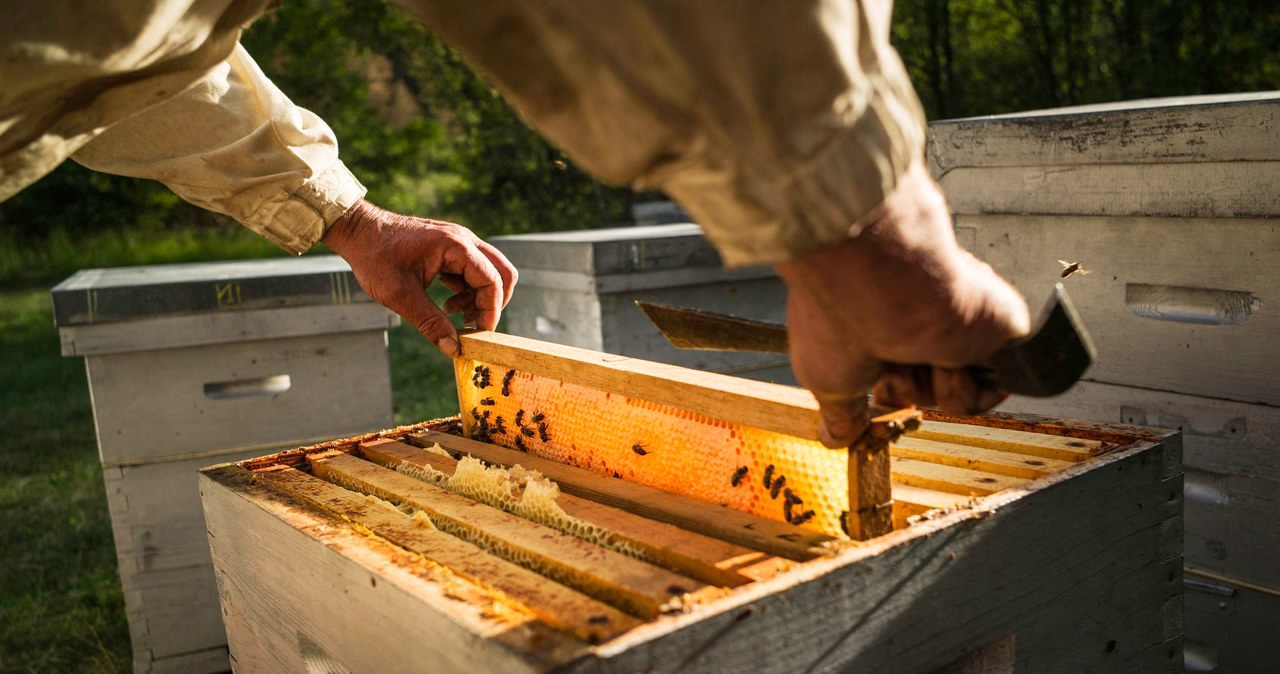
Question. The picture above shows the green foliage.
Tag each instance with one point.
(978, 57)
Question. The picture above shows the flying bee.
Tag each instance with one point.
(499, 425)
(488, 402)
(506, 382)
(768, 476)
(803, 517)
(528, 432)
(777, 486)
(640, 449)
(1069, 269)
(738, 476)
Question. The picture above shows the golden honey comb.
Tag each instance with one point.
(761, 472)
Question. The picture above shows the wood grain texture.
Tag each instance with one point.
(554, 604)
(1193, 130)
(782, 409)
(1230, 362)
(635, 586)
(941, 477)
(1238, 190)
(288, 573)
(1057, 448)
(708, 559)
(750, 531)
(976, 458)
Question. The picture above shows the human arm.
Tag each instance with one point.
(790, 131)
(235, 144)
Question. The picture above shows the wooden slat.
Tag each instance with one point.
(551, 602)
(773, 407)
(637, 587)
(708, 559)
(977, 458)
(909, 501)
(1053, 447)
(948, 478)
(870, 499)
(776, 538)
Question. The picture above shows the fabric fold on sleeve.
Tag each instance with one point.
(780, 126)
(235, 144)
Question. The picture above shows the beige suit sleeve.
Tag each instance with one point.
(780, 126)
(235, 144)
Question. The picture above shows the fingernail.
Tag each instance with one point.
(448, 346)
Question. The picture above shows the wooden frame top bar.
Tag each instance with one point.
(772, 407)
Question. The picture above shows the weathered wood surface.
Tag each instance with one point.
(782, 409)
(1239, 190)
(290, 580)
(1198, 129)
(1057, 448)
(1091, 552)
(638, 587)
(709, 559)
(870, 492)
(232, 326)
(976, 458)
(776, 538)
(152, 405)
(1185, 353)
(1232, 475)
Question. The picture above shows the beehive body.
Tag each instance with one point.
(395, 525)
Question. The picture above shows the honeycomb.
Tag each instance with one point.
(765, 473)
(521, 492)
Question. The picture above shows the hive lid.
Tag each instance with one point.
(98, 296)
(617, 250)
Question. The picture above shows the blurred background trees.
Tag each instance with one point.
(428, 136)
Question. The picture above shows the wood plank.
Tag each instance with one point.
(1184, 347)
(776, 538)
(1057, 448)
(705, 558)
(909, 501)
(555, 604)
(635, 586)
(1237, 128)
(782, 409)
(1240, 190)
(948, 478)
(290, 574)
(977, 458)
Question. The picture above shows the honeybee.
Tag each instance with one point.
(803, 517)
(488, 402)
(639, 448)
(844, 523)
(777, 486)
(520, 418)
(528, 432)
(542, 433)
(538, 416)
(499, 425)
(520, 444)
(738, 476)
(481, 377)
(1069, 269)
(506, 382)
(768, 476)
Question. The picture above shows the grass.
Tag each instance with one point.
(61, 605)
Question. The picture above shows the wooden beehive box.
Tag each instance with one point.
(1035, 544)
